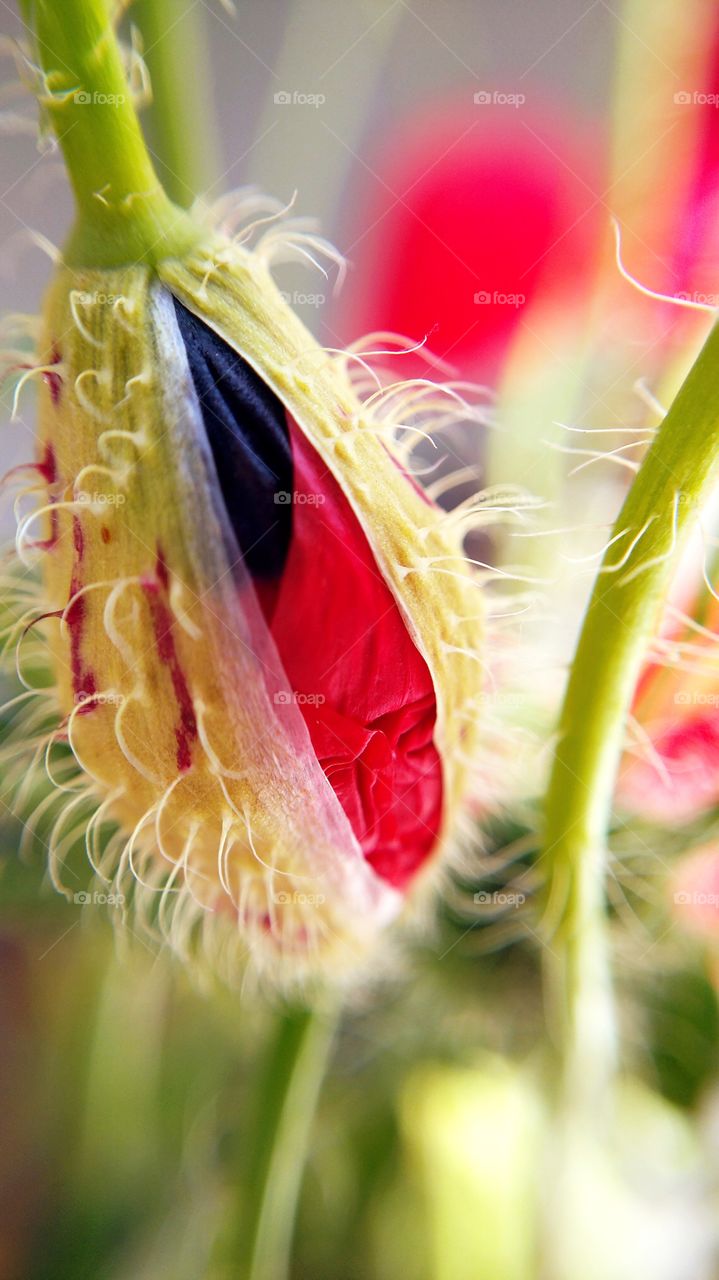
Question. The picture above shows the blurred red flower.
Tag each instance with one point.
(478, 208)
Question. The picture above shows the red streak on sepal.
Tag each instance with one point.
(52, 380)
(156, 588)
(47, 468)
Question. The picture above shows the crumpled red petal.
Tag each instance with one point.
(363, 687)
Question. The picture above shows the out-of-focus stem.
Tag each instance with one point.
(290, 1088)
(180, 122)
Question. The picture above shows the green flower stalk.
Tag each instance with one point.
(123, 213)
(265, 638)
(674, 482)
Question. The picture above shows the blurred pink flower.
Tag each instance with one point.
(672, 774)
(695, 891)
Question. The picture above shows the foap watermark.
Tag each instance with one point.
(695, 698)
(285, 499)
(298, 898)
(96, 899)
(287, 697)
(695, 898)
(298, 299)
(94, 298)
(296, 98)
(483, 298)
(500, 898)
(86, 698)
(699, 299)
(503, 698)
(84, 98)
(495, 98)
(100, 499)
(695, 98)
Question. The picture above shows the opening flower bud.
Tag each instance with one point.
(265, 637)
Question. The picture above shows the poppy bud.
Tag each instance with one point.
(264, 635)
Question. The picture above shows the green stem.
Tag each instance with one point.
(290, 1089)
(123, 213)
(674, 481)
(179, 124)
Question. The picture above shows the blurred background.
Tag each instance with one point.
(467, 159)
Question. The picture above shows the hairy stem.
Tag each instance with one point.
(674, 481)
(123, 213)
